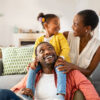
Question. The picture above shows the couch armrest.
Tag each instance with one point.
(95, 76)
(1, 67)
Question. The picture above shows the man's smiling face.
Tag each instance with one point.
(46, 54)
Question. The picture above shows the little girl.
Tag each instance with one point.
(51, 24)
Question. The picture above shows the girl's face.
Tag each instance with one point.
(53, 26)
(78, 26)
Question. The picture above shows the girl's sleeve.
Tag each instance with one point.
(64, 48)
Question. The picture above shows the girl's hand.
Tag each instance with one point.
(26, 91)
(32, 65)
(66, 67)
(57, 61)
(28, 67)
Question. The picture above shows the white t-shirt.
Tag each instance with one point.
(45, 88)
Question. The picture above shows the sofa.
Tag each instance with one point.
(8, 81)
(15, 60)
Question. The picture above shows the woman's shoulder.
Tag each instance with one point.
(67, 34)
(96, 42)
(60, 36)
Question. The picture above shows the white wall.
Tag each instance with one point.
(23, 14)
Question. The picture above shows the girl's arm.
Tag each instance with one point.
(64, 48)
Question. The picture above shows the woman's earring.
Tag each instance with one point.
(92, 33)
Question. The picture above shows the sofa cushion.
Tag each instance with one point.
(16, 59)
(1, 67)
(95, 76)
(8, 81)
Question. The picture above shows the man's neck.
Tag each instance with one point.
(48, 69)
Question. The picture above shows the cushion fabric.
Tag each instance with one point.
(16, 59)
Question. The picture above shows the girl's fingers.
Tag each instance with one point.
(36, 64)
(65, 72)
(62, 68)
(27, 92)
(59, 63)
(27, 69)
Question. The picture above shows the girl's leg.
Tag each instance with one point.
(31, 78)
(61, 82)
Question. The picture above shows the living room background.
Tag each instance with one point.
(23, 14)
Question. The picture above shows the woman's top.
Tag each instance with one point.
(84, 58)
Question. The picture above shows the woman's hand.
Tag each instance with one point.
(66, 67)
(26, 91)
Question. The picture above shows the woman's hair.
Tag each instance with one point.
(45, 18)
(89, 18)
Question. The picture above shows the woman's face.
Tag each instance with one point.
(53, 26)
(78, 26)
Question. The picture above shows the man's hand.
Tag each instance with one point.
(26, 91)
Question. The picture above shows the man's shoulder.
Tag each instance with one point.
(76, 73)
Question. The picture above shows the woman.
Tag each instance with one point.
(85, 49)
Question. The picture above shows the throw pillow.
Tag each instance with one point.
(16, 59)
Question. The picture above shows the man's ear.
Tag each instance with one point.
(37, 59)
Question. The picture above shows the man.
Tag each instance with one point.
(46, 79)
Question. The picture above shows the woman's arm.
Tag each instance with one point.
(94, 62)
(69, 66)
